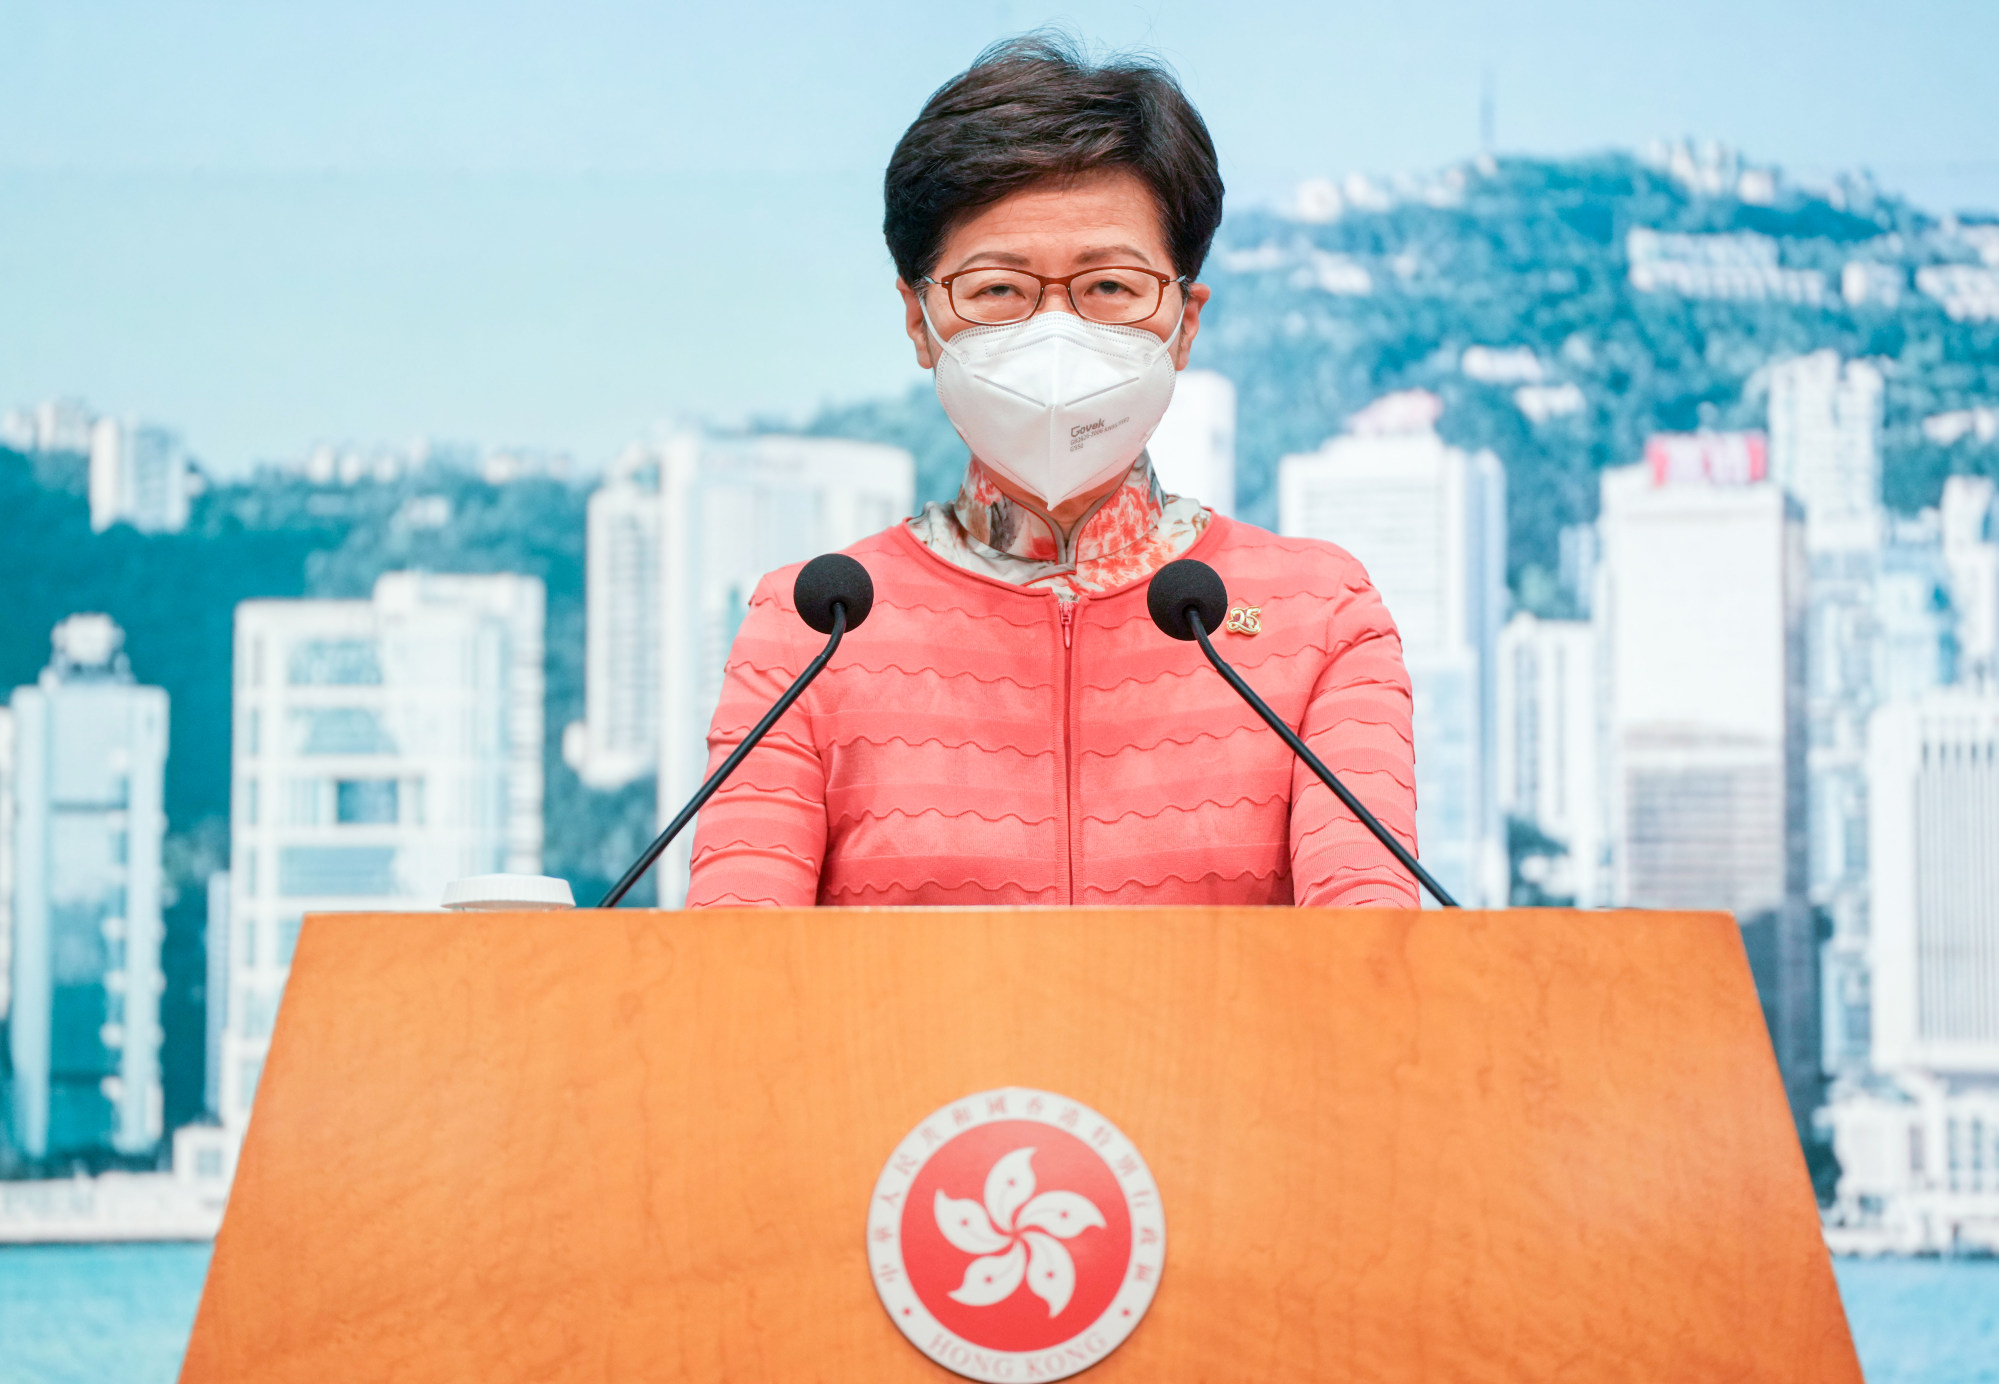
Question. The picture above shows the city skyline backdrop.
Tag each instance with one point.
(278, 227)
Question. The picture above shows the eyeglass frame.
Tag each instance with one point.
(1047, 283)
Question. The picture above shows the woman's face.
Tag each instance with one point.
(1055, 229)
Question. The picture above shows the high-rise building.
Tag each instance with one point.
(617, 740)
(1934, 766)
(215, 975)
(1825, 431)
(1843, 636)
(139, 476)
(1825, 425)
(1193, 449)
(1549, 760)
(1918, 1138)
(1971, 557)
(1700, 621)
(89, 791)
(1915, 647)
(1578, 548)
(1428, 522)
(1882, 632)
(732, 510)
(382, 748)
(6, 864)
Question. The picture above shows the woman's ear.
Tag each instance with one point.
(1190, 322)
(918, 329)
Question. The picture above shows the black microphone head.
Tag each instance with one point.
(1186, 585)
(834, 579)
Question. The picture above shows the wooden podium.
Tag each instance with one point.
(1530, 1145)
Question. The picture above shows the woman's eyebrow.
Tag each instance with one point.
(1000, 257)
(1099, 254)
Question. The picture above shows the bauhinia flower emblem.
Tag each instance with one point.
(1017, 1236)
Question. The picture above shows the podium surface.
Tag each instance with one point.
(1391, 1146)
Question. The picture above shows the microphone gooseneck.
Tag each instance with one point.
(1187, 598)
(833, 594)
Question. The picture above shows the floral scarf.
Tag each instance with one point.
(1126, 536)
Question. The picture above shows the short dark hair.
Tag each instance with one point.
(1033, 108)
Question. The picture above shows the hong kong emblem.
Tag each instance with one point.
(1016, 1234)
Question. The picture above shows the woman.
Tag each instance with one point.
(1010, 727)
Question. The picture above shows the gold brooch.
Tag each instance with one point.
(1244, 619)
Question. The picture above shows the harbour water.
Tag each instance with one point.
(87, 1314)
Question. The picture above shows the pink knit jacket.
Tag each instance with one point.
(977, 742)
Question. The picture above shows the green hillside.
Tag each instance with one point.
(1532, 253)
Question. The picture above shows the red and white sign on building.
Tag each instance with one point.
(1016, 1234)
(1712, 458)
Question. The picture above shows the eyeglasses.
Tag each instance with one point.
(1116, 295)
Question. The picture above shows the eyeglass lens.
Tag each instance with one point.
(1112, 296)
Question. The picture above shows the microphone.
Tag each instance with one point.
(833, 594)
(1187, 599)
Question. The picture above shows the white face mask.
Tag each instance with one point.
(1055, 404)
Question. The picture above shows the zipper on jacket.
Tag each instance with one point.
(1066, 613)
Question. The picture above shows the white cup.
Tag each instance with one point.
(508, 893)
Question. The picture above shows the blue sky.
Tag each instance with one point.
(273, 224)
